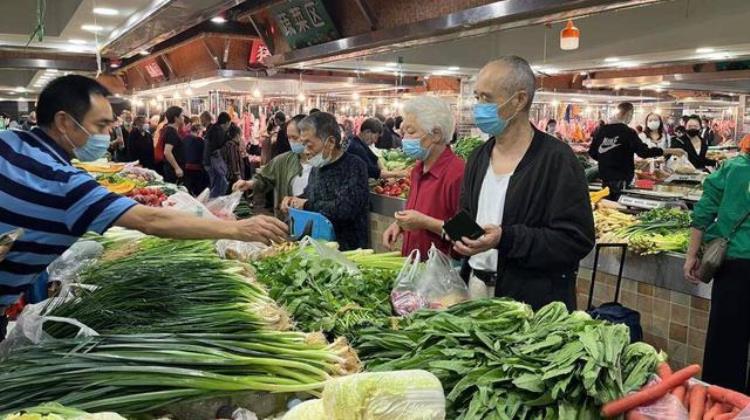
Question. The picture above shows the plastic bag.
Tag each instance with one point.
(241, 251)
(183, 201)
(308, 410)
(29, 326)
(402, 395)
(437, 286)
(308, 245)
(680, 165)
(66, 268)
(223, 207)
(7, 239)
(404, 296)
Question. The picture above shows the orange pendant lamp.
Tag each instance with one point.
(570, 36)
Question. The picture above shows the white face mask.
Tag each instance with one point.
(653, 125)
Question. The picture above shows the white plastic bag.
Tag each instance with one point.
(67, 267)
(680, 165)
(436, 286)
(404, 297)
(183, 201)
(223, 207)
(402, 395)
(309, 245)
(241, 251)
(29, 326)
(308, 410)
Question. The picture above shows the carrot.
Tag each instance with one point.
(650, 393)
(713, 412)
(697, 402)
(728, 396)
(679, 393)
(664, 370)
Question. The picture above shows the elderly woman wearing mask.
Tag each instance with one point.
(338, 183)
(435, 180)
(287, 174)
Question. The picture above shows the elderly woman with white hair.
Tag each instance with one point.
(435, 180)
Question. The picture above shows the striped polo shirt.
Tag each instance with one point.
(54, 202)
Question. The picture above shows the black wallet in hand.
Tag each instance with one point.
(462, 225)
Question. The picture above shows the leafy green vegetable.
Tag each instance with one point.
(497, 359)
(465, 145)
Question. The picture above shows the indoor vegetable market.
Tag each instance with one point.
(374, 209)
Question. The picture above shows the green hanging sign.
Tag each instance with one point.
(304, 23)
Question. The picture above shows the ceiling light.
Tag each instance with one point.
(391, 64)
(92, 28)
(555, 102)
(52, 70)
(105, 11)
(665, 83)
(657, 110)
(611, 60)
(189, 91)
(20, 89)
(584, 73)
(705, 50)
(570, 36)
(177, 95)
(218, 19)
(355, 96)
(114, 64)
(117, 95)
(154, 102)
(159, 97)
(453, 68)
(77, 41)
(588, 110)
(144, 53)
(627, 64)
(301, 97)
(379, 101)
(256, 93)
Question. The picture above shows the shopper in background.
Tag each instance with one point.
(287, 174)
(613, 147)
(30, 121)
(655, 134)
(213, 159)
(724, 207)
(117, 150)
(397, 126)
(529, 193)
(280, 144)
(361, 146)
(206, 120)
(435, 179)
(551, 128)
(390, 125)
(693, 144)
(140, 144)
(233, 154)
(159, 130)
(338, 182)
(706, 131)
(348, 130)
(74, 121)
(174, 157)
(385, 139)
(196, 179)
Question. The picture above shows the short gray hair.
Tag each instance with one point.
(432, 112)
(520, 77)
(324, 125)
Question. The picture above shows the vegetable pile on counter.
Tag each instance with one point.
(393, 187)
(148, 196)
(161, 285)
(321, 294)
(497, 359)
(141, 373)
(396, 160)
(55, 411)
(658, 230)
(465, 145)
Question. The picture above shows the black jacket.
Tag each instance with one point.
(696, 158)
(548, 226)
(140, 147)
(613, 147)
(358, 148)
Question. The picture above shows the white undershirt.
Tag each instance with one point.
(490, 212)
(299, 182)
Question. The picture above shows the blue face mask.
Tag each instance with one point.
(318, 161)
(487, 119)
(413, 149)
(95, 148)
(297, 148)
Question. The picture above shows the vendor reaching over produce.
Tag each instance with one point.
(529, 193)
(287, 174)
(361, 146)
(613, 147)
(56, 203)
(435, 179)
(338, 183)
(693, 144)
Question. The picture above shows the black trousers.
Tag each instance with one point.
(3, 326)
(728, 335)
(195, 181)
(615, 188)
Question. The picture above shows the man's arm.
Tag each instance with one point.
(175, 224)
(641, 149)
(169, 156)
(595, 142)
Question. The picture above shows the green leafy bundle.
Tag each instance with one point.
(142, 373)
(658, 230)
(163, 285)
(497, 359)
(465, 145)
(322, 295)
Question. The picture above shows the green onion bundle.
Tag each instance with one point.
(144, 372)
(171, 287)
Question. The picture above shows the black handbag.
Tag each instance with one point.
(715, 252)
(614, 311)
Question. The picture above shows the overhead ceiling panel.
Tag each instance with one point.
(19, 17)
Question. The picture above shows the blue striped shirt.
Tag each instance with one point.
(54, 202)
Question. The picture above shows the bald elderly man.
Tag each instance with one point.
(529, 193)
